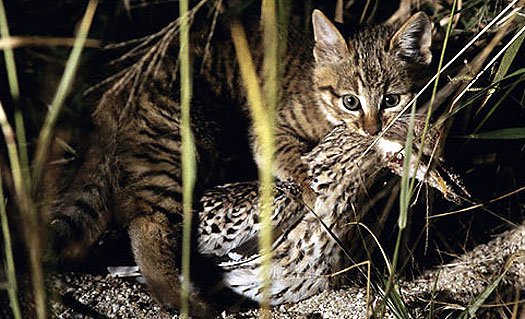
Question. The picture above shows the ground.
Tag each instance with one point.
(496, 269)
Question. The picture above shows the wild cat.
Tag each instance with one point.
(132, 172)
(364, 82)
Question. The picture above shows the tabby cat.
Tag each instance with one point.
(364, 82)
(132, 173)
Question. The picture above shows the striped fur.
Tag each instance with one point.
(375, 62)
(132, 177)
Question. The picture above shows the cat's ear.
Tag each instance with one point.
(330, 46)
(412, 41)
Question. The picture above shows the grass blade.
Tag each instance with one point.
(516, 133)
(487, 66)
(9, 261)
(508, 58)
(28, 219)
(14, 88)
(44, 138)
(188, 153)
(474, 306)
(271, 93)
(501, 73)
(263, 123)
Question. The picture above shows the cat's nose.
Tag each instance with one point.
(372, 125)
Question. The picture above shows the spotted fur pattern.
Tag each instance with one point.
(305, 253)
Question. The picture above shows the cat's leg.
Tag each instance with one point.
(157, 246)
(150, 200)
(82, 214)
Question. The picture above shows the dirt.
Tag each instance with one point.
(496, 268)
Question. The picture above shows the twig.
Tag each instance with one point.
(402, 13)
(339, 12)
(479, 205)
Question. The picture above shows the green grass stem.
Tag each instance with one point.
(9, 262)
(407, 189)
(46, 133)
(477, 302)
(263, 126)
(271, 95)
(188, 152)
(44, 140)
(25, 207)
(404, 203)
(14, 88)
(408, 183)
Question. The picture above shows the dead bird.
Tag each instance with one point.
(308, 245)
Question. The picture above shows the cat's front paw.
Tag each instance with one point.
(198, 307)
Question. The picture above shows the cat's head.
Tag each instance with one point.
(368, 79)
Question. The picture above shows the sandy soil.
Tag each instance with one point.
(458, 283)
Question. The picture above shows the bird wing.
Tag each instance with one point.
(229, 224)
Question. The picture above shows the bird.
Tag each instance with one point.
(309, 242)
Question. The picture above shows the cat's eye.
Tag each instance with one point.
(391, 100)
(351, 102)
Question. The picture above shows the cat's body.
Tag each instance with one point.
(134, 175)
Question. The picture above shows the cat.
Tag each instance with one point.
(364, 83)
(132, 172)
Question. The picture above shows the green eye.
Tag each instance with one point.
(351, 102)
(391, 100)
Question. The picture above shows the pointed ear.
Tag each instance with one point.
(412, 41)
(330, 46)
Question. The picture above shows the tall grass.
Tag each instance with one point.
(46, 132)
(9, 264)
(18, 157)
(26, 209)
(12, 287)
(263, 103)
(271, 95)
(263, 97)
(12, 79)
(407, 182)
(188, 153)
(263, 127)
